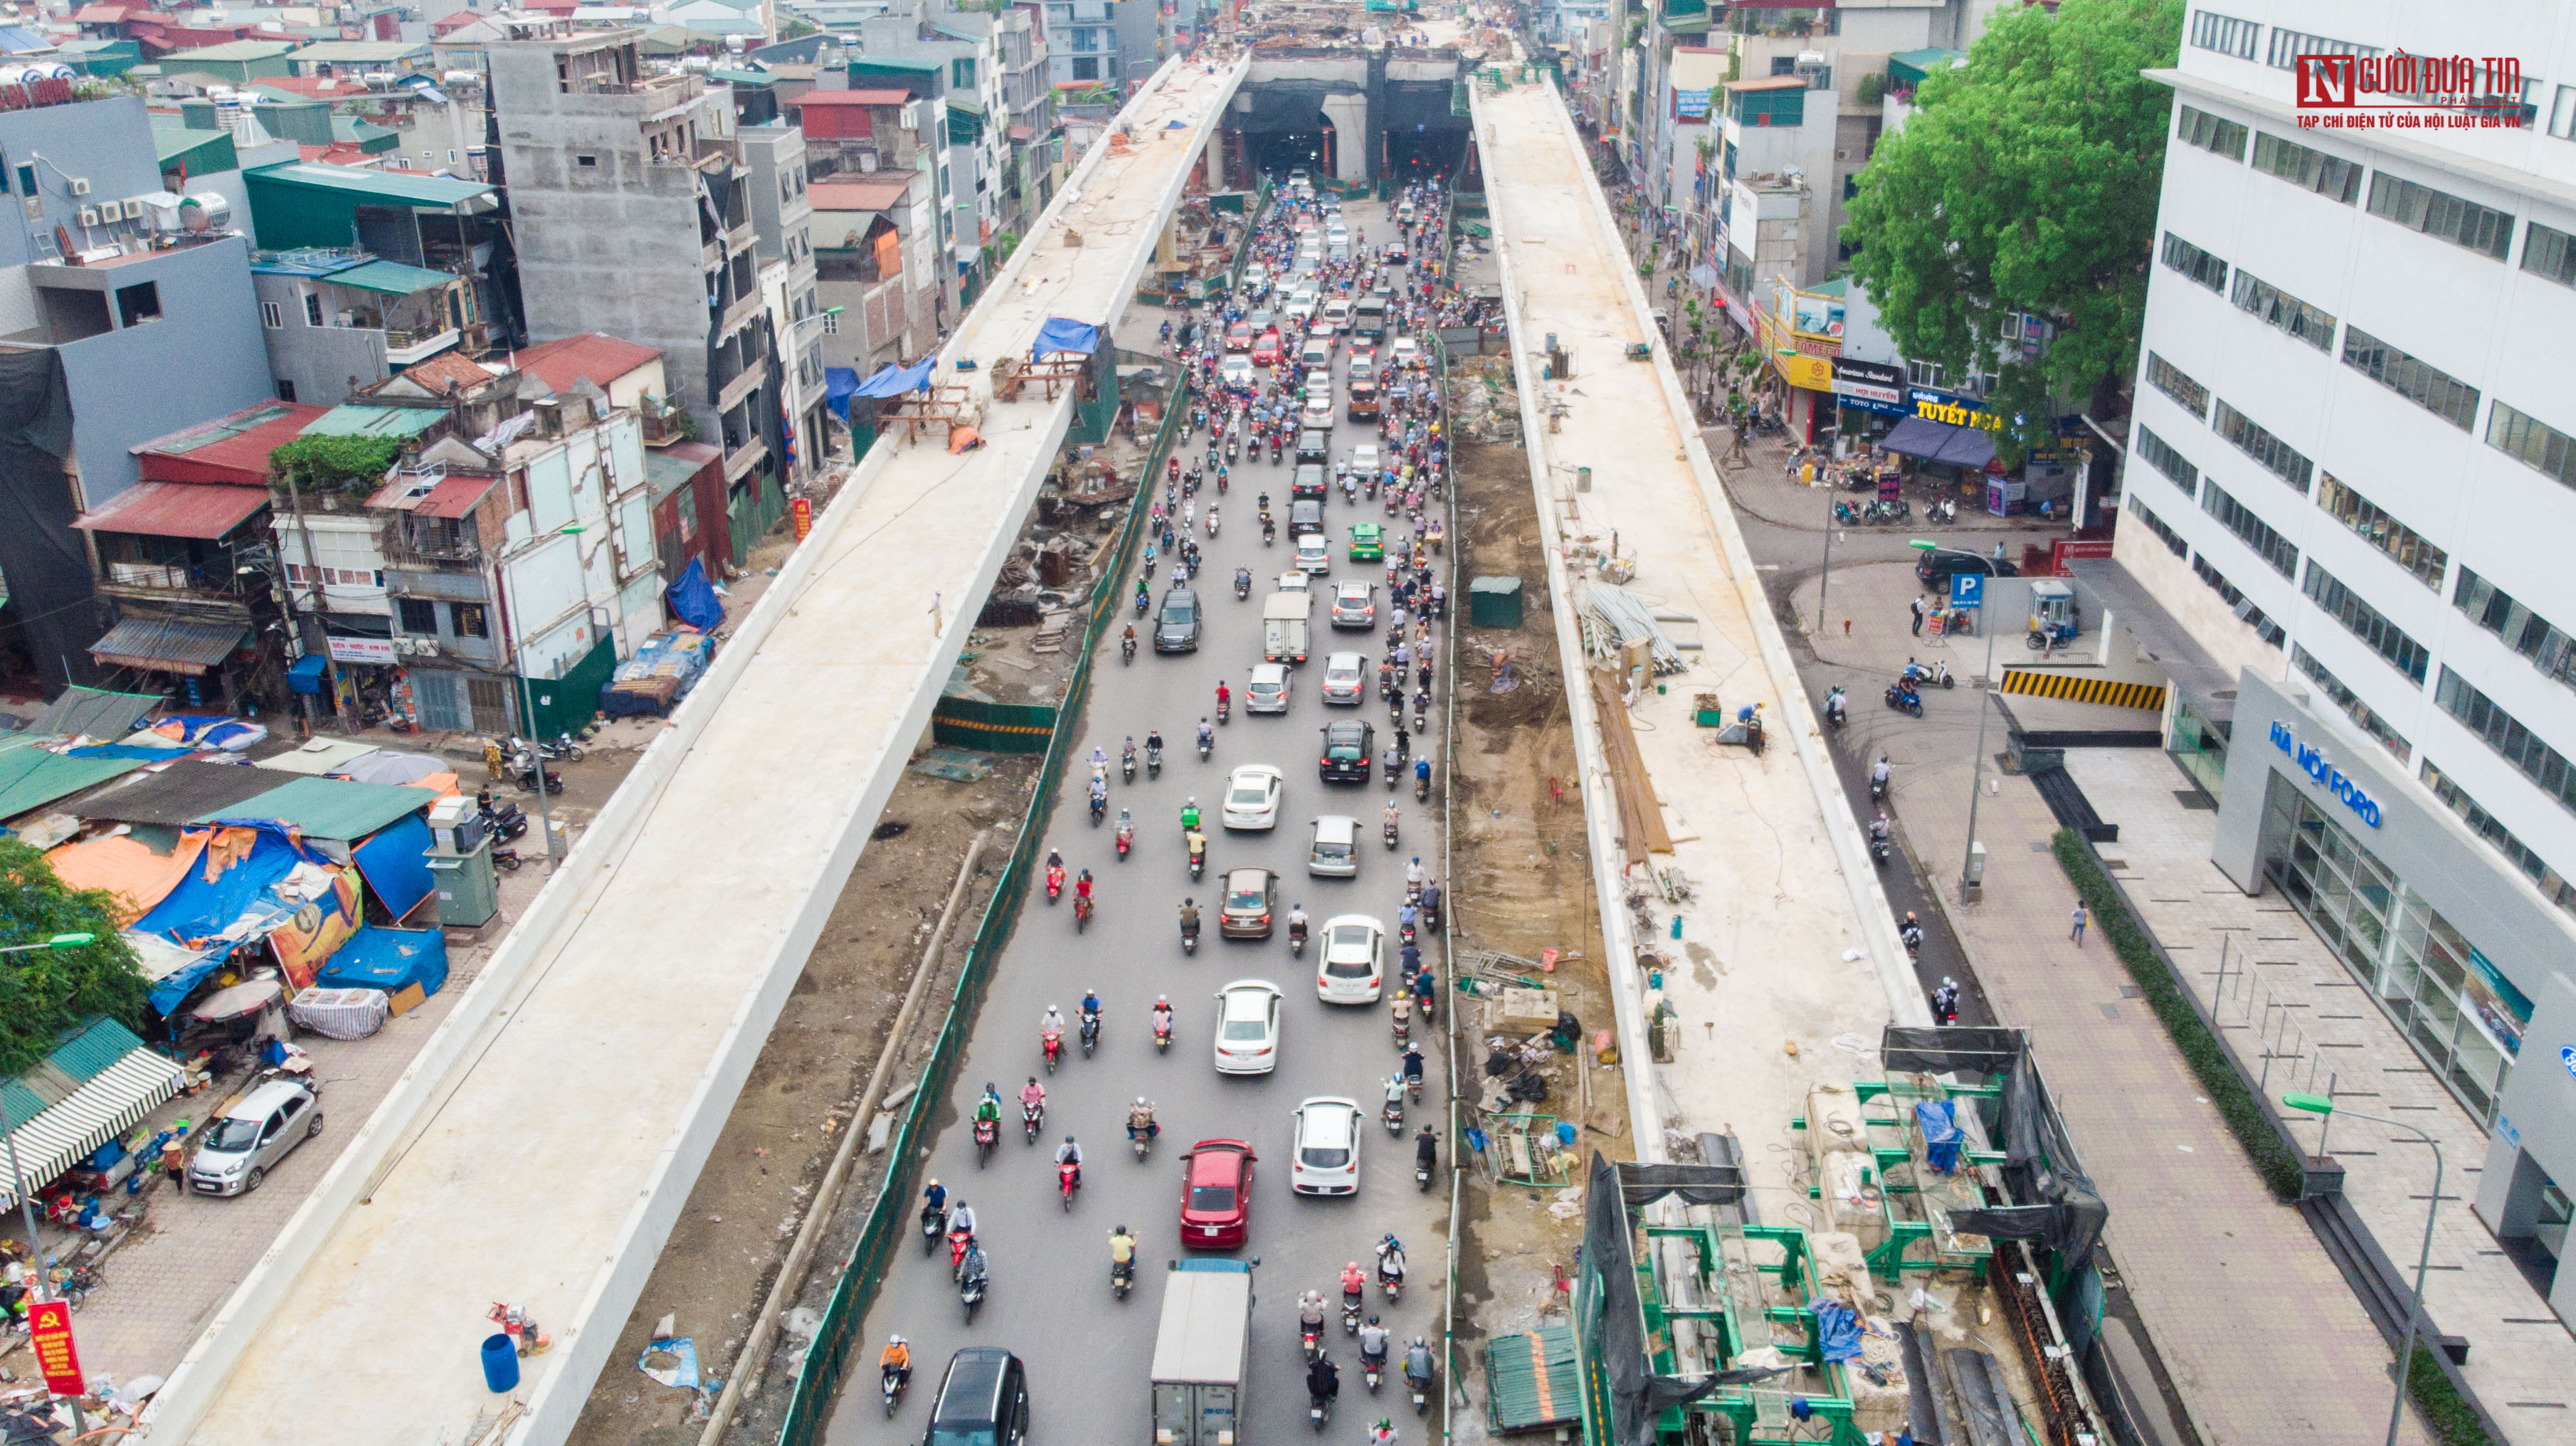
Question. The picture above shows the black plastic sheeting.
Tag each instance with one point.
(1637, 1396)
(2053, 1200)
(48, 569)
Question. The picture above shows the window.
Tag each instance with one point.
(2309, 170)
(2289, 45)
(470, 620)
(271, 315)
(1086, 67)
(1923, 374)
(2200, 128)
(2365, 622)
(2350, 702)
(2274, 307)
(2524, 631)
(417, 615)
(961, 74)
(2536, 443)
(2246, 613)
(138, 303)
(285, 391)
(2485, 826)
(2195, 263)
(2549, 253)
(2438, 392)
(2513, 742)
(2225, 34)
(2413, 553)
(2160, 455)
(2131, 506)
(451, 157)
(2170, 380)
(2440, 215)
(832, 322)
(312, 308)
(586, 162)
(2562, 110)
(2276, 455)
(2257, 534)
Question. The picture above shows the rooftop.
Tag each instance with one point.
(349, 268)
(596, 355)
(351, 420)
(1769, 82)
(448, 369)
(859, 195)
(234, 449)
(407, 188)
(200, 510)
(230, 52)
(853, 97)
(361, 52)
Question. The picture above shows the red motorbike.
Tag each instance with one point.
(1054, 1043)
(958, 1240)
(988, 1133)
(1068, 1179)
(1081, 914)
(1055, 881)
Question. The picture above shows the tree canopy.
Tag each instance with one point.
(44, 992)
(329, 463)
(2025, 183)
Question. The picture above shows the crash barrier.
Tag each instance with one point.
(992, 727)
(818, 1379)
(2085, 688)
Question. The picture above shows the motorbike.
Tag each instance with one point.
(1391, 766)
(1224, 709)
(1904, 699)
(1422, 785)
(987, 1135)
(1099, 808)
(1847, 514)
(1053, 1043)
(1940, 673)
(1144, 600)
(1032, 1120)
(1319, 1409)
(892, 1385)
(1878, 849)
(1081, 914)
(1068, 1179)
(1198, 861)
(1297, 940)
(1421, 1173)
(1390, 832)
(1350, 1312)
(1374, 1368)
(1420, 1386)
(1162, 1038)
(1122, 1277)
(562, 750)
(1242, 583)
(503, 819)
(1189, 939)
(1269, 532)
(1055, 881)
(1393, 1115)
(970, 1294)
(524, 772)
(932, 1218)
(958, 1242)
(1836, 715)
(505, 858)
(1390, 1281)
(1127, 767)
(1090, 1034)
(1126, 839)
(1310, 1339)
(1401, 1023)
(1942, 511)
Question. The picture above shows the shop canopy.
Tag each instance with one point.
(169, 645)
(839, 385)
(1940, 442)
(98, 1083)
(1061, 335)
(239, 876)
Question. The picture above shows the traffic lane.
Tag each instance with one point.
(1044, 1257)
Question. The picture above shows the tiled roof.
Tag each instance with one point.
(596, 355)
(446, 369)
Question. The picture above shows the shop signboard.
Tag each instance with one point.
(49, 1331)
(378, 652)
(1691, 105)
(801, 512)
(1957, 411)
(1871, 387)
(2314, 763)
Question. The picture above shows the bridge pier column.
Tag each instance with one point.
(1349, 115)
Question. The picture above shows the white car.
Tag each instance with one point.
(1364, 461)
(1328, 1147)
(1247, 1027)
(1314, 554)
(1252, 797)
(1363, 363)
(1295, 581)
(1301, 303)
(1351, 972)
(1345, 679)
(1319, 382)
(1268, 690)
(1402, 353)
(1338, 312)
(1318, 416)
(1235, 370)
(1256, 277)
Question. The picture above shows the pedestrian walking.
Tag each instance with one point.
(2077, 932)
(1918, 617)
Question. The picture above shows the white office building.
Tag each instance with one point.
(2351, 492)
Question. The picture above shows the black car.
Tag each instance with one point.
(1176, 628)
(1305, 515)
(1314, 446)
(1348, 748)
(983, 1400)
(1309, 482)
(1940, 563)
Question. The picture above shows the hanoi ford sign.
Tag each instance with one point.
(2328, 777)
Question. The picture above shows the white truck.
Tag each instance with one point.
(1283, 628)
(1202, 1353)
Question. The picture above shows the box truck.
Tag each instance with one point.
(1201, 1354)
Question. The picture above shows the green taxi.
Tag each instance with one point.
(1368, 542)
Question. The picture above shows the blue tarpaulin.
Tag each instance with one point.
(1059, 335)
(1939, 1121)
(839, 384)
(895, 381)
(199, 909)
(304, 675)
(693, 599)
(388, 959)
(171, 988)
(124, 750)
(396, 864)
(1837, 1329)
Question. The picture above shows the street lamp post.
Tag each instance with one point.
(8, 1128)
(2325, 1106)
(1977, 760)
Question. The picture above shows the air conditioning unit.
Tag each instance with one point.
(89, 215)
(35, 208)
(80, 186)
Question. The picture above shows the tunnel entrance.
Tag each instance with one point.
(1435, 150)
(1277, 152)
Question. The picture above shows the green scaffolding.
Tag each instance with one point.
(1915, 1200)
(1742, 1294)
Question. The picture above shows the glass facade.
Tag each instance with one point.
(2464, 1017)
(2200, 748)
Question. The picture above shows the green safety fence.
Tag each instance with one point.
(818, 1380)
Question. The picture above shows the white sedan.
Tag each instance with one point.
(1404, 353)
(1364, 460)
(1352, 972)
(1328, 1147)
(1252, 797)
(1235, 370)
(1247, 1027)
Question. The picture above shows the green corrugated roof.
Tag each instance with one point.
(86, 1052)
(391, 277)
(171, 143)
(330, 808)
(891, 62)
(232, 51)
(742, 77)
(359, 52)
(1531, 1380)
(411, 188)
(357, 421)
(30, 778)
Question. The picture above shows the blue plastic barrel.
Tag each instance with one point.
(500, 1362)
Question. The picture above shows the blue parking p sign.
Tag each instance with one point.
(1967, 589)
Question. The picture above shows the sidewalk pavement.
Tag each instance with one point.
(2262, 1336)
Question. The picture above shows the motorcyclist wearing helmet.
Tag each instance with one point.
(1162, 1015)
(896, 1361)
(1140, 1119)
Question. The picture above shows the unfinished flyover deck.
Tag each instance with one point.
(541, 1147)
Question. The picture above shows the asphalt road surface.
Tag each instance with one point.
(1088, 1355)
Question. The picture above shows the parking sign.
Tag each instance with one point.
(1967, 589)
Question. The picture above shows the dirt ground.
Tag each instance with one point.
(1523, 878)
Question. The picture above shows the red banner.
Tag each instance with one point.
(50, 1331)
(801, 511)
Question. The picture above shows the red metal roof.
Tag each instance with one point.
(338, 153)
(854, 97)
(455, 497)
(596, 355)
(232, 450)
(445, 368)
(858, 195)
(105, 12)
(204, 510)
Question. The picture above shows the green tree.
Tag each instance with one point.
(44, 992)
(2026, 182)
(336, 463)
(798, 30)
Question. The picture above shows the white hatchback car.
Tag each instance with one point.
(1345, 679)
(1403, 353)
(1252, 797)
(1364, 459)
(1352, 972)
(1247, 1027)
(1314, 554)
(1235, 370)
(1295, 581)
(1328, 1147)
(1268, 690)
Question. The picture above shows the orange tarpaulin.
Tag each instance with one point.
(122, 865)
(441, 784)
(963, 438)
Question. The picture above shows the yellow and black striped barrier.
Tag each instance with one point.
(2085, 688)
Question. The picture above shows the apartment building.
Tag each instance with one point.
(2351, 481)
(782, 215)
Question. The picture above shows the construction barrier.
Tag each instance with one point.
(2085, 688)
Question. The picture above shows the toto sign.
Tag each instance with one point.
(2330, 778)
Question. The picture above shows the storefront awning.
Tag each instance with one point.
(172, 645)
(98, 1085)
(1940, 442)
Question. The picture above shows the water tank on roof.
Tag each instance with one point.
(205, 211)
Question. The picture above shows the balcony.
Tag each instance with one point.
(431, 543)
(403, 347)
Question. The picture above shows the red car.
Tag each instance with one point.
(1265, 352)
(1216, 1195)
(1239, 337)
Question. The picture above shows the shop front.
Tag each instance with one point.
(1801, 335)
